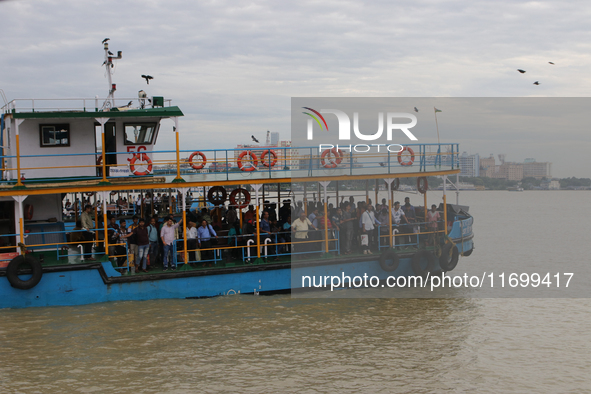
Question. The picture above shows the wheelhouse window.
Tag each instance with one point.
(139, 133)
(54, 135)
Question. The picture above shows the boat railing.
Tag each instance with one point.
(42, 241)
(94, 104)
(240, 164)
(408, 235)
(229, 249)
(274, 245)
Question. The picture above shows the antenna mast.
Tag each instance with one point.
(108, 63)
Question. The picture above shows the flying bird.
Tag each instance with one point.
(254, 139)
(536, 83)
(147, 78)
(382, 164)
(105, 40)
(416, 109)
(551, 63)
(521, 71)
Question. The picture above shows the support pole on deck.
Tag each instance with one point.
(256, 188)
(19, 183)
(105, 194)
(102, 122)
(324, 186)
(183, 192)
(444, 204)
(389, 183)
(175, 129)
(457, 189)
(21, 221)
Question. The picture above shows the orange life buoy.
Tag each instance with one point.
(197, 166)
(273, 161)
(332, 163)
(244, 193)
(408, 162)
(253, 159)
(28, 214)
(422, 185)
(143, 157)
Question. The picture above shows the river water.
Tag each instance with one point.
(254, 344)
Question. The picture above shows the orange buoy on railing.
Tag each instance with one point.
(411, 158)
(195, 165)
(329, 162)
(142, 157)
(239, 203)
(253, 159)
(273, 160)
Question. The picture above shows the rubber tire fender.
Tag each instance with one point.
(449, 257)
(418, 258)
(422, 185)
(217, 195)
(389, 254)
(13, 268)
(28, 212)
(246, 195)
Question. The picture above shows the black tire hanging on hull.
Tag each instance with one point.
(13, 268)
(449, 257)
(418, 258)
(389, 260)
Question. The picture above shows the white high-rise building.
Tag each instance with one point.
(274, 138)
(470, 165)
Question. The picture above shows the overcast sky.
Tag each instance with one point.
(233, 66)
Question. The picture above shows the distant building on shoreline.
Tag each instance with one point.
(511, 171)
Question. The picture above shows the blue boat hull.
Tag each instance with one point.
(102, 283)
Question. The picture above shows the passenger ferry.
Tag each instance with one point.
(103, 151)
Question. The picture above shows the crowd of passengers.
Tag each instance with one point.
(358, 226)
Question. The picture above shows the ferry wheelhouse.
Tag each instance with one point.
(100, 150)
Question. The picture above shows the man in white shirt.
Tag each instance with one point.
(300, 229)
(368, 227)
(398, 217)
(192, 241)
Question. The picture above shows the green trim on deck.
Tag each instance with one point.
(164, 112)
